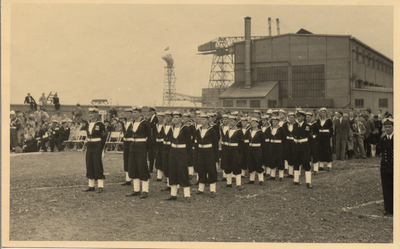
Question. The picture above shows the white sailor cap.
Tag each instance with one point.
(204, 115)
(232, 116)
(93, 109)
(275, 117)
(264, 116)
(129, 109)
(235, 113)
(257, 111)
(137, 108)
(160, 114)
(283, 111)
(225, 116)
(255, 119)
(291, 114)
(12, 112)
(301, 112)
(269, 111)
(323, 109)
(244, 118)
(309, 113)
(388, 121)
(177, 113)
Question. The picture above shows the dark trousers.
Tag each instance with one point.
(125, 154)
(305, 163)
(255, 159)
(54, 141)
(223, 156)
(340, 148)
(367, 146)
(137, 162)
(387, 189)
(276, 156)
(232, 161)
(289, 152)
(94, 165)
(314, 150)
(165, 159)
(243, 157)
(57, 106)
(151, 154)
(43, 142)
(178, 169)
(206, 165)
(159, 155)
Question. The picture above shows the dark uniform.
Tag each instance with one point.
(159, 150)
(224, 140)
(243, 152)
(314, 144)
(166, 152)
(56, 132)
(255, 156)
(153, 121)
(94, 165)
(324, 142)
(288, 146)
(207, 156)
(128, 137)
(276, 137)
(386, 145)
(301, 150)
(233, 151)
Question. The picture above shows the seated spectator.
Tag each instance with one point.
(43, 100)
(44, 116)
(46, 131)
(30, 100)
(58, 117)
(119, 127)
(15, 127)
(30, 143)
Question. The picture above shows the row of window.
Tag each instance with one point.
(359, 103)
(371, 61)
(253, 103)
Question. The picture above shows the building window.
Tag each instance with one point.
(357, 56)
(255, 103)
(369, 59)
(308, 82)
(373, 62)
(227, 103)
(241, 103)
(363, 56)
(271, 103)
(359, 103)
(383, 103)
(275, 74)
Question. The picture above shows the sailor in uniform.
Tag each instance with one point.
(255, 155)
(288, 146)
(313, 142)
(223, 129)
(245, 138)
(159, 145)
(266, 163)
(301, 148)
(128, 137)
(325, 126)
(167, 147)
(207, 155)
(276, 137)
(153, 121)
(138, 149)
(95, 130)
(181, 147)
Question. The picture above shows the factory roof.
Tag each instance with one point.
(257, 90)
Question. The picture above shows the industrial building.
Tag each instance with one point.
(308, 70)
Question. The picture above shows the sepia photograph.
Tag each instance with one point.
(215, 124)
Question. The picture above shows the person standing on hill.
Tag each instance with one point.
(30, 100)
(43, 100)
(56, 102)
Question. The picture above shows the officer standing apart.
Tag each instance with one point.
(95, 129)
(137, 162)
(301, 148)
(386, 144)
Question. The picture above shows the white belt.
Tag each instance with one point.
(225, 143)
(246, 141)
(232, 144)
(267, 140)
(255, 145)
(179, 146)
(128, 139)
(303, 140)
(167, 142)
(195, 141)
(204, 146)
(314, 136)
(276, 141)
(94, 139)
(13, 127)
(324, 130)
(139, 139)
(160, 140)
(289, 138)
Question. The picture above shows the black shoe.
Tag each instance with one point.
(88, 189)
(127, 183)
(386, 213)
(144, 195)
(240, 187)
(187, 199)
(297, 183)
(250, 182)
(223, 179)
(228, 185)
(280, 179)
(158, 180)
(199, 192)
(329, 169)
(213, 194)
(166, 189)
(270, 178)
(321, 169)
(309, 185)
(243, 177)
(190, 177)
(172, 198)
(100, 190)
(133, 194)
(197, 183)
(261, 183)
(316, 173)
(291, 176)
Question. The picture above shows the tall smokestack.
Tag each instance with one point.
(269, 26)
(277, 25)
(247, 51)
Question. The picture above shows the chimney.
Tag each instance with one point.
(277, 25)
(269, 26)
(247, 47)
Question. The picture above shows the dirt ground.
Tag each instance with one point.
(46, 204)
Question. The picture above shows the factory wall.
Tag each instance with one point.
(331, 52)
(371, 99)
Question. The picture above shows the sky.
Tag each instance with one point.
(113, 51)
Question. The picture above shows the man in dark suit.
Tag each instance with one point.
(30, 100)
(386, 143)
(342, 131)
(369, 136)
(153, 121)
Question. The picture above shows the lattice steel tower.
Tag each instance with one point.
(169, 81)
